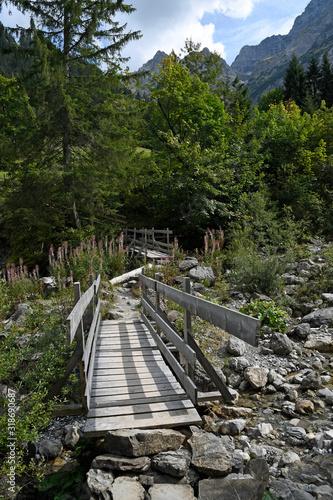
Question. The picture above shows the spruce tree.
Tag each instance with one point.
(70, 41)
(295, 82)
(313, 81)
(326, 81)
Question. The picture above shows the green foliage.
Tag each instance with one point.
(64, 485)
(32, 359)
(267, 312)
(295, 82)
(254, 271)
(109, 258)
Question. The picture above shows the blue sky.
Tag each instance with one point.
(221, 25)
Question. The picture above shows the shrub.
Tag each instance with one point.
(255, 272)
(268, 313)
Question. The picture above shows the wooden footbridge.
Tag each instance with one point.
(139, 373)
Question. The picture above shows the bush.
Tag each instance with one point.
(268, 313)
(255, 272)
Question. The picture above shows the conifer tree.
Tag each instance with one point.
(295, 82)
(326, 81)
(313, 81)
(69, 40)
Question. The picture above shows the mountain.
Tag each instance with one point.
(152, 65)
(263, 66)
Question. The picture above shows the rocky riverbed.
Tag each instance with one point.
(276, 435)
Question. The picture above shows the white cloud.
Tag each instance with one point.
(165, 25)
(240, 9)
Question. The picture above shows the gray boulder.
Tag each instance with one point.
(115, 462)
(239, 364)
(230, 488)
(127, 488)
(201, 273)
(99, 481)
(311, 381)
(236, 346)
(302, 331)
(175, 463)
(49, 448)
(188, 263)
(209, 455)
(256, 376)
(72, 437)
(171, 492)
(49, 285)
(319, 317)
(138, 442)
(281, 344)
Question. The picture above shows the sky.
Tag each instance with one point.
(221, 25)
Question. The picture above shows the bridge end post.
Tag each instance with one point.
(187, 325)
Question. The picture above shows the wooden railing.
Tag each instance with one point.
(233, 322)
(140, 240)
(85, 312)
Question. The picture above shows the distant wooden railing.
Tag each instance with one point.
(86, 310)
(140, 240)
(233, 322)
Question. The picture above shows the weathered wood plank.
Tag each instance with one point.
(172, 335)
(130, 399)
(99, 426)
(182, 376)
(144, 388)
(140, 408)
(159, 368)
(133, 376)
(124, 382)
(165, 396)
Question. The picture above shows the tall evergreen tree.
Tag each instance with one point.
(313, 80)
(326, 81)
(295, 82)
(68, 39)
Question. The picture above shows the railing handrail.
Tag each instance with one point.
(236, 323)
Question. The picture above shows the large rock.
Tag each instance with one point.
(231, 488)
(319, 317)
(175, 463)
(201, 273)
(49, 448)
(138, 443)
(236, 346)
(126, 488)
(239, 364)
(115, 462)
(281, 344)
(19, 317)
(99, 481)
(257, 376)
(322, 341)
(311, 381)
(209, 455)
(188, 263)
(171, 492)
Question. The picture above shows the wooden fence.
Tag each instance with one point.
(85, 311)
(141, 240)
(233, 322)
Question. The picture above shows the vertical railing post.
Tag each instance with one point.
(153, 237)
(157, 300)
(92, 303)
(80, 338)
(187, 324)
(146, 239)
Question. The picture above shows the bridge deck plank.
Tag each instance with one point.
(132, 386)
